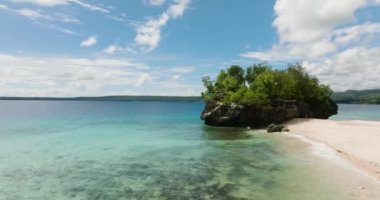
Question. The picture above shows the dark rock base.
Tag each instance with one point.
(233, 115)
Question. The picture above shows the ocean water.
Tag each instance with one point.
(358, 112)
(150, 150)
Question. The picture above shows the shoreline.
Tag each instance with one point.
(354, 142)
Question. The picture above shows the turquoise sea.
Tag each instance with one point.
(358, 112)
(57, 150)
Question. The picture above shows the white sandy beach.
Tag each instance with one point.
(356, 141)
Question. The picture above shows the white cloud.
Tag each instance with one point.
(113, 48)
(4, 7)
(66, 76)
(32, 14)
(149, 33)
(178, 8)
(174, 85)
(306, 28)
(65, 18)
(51, 3)
(275, 54)
(176, 78)
(142, 79)
(91, 41)
(155, 2)
(67, 31)
(32, 76)
(327, 36)
(48, 21)
(38, 15)
(355, 68)
(90, 6)
(354, 34)
(116, 49)
(44, 2)
(304, 21)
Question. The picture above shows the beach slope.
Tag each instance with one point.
(356, 141)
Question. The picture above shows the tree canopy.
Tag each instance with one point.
(261, 85)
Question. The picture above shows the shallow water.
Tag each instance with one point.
(149, 150)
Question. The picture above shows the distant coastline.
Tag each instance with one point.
(357, 97)
(347, 97)
(110, 98)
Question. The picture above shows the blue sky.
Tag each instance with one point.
(164, 47)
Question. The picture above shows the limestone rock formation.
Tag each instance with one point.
(233, 115)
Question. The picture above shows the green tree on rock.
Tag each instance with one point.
(260, 85)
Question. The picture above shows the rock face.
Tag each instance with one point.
(219, 114)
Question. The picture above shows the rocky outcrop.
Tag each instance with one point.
(275, 128)
(233, 115)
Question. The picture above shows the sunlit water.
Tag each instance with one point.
(150, 150)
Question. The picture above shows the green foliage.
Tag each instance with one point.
(255, 70)
(209, 85)
(260, 85)
(230, 80)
